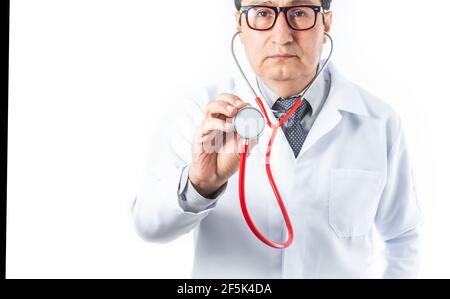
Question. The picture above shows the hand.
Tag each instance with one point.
(217, 149)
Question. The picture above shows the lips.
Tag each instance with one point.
(282, 55)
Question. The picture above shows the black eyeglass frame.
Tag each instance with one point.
(245, 9)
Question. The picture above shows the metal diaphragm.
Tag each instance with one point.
(249, 123)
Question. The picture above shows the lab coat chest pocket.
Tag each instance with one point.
(353, 200)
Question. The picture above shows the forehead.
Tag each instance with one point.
(281, 2)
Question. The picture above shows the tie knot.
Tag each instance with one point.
(282, 106)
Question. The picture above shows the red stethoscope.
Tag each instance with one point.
(249, 124)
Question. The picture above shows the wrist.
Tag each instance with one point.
(208, 188)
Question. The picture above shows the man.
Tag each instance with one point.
(341, 165)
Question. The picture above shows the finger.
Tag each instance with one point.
(209, 137)
(215, 124)
(221, 108)
(201, 138)
(232, 100)
(219, 136)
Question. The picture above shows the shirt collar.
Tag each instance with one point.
(315, 96)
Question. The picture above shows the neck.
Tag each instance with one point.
(289, 88)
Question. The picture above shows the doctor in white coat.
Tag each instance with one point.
(350, 178)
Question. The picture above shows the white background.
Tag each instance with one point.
(89, 79)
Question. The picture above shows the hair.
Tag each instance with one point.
(325, 4)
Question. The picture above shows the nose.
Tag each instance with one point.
(281, 32)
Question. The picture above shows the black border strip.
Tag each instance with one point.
(4, 134)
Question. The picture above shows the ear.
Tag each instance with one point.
(238, 17)
(328, 20)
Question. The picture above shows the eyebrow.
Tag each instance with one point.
(291, 3)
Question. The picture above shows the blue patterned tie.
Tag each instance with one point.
(294, 131)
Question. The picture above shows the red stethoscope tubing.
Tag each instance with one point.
(245, 212)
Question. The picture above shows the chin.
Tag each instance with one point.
(283, 74)
(282, 71)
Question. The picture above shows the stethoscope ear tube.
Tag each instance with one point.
(274, 127)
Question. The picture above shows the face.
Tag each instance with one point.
(283, 54)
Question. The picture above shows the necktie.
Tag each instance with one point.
(295, 133)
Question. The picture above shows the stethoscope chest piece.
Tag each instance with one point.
(249, 123)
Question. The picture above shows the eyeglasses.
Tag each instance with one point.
(263, 18)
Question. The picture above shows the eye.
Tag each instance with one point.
(263, 12)
(299, 13)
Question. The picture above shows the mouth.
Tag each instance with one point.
(282, 56)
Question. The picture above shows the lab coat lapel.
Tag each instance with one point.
(326, 121)
(343, 96)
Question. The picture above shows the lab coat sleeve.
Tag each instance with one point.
(158, 213)
(398, 217)
(190, 200)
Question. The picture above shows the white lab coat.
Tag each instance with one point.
(352, 175)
